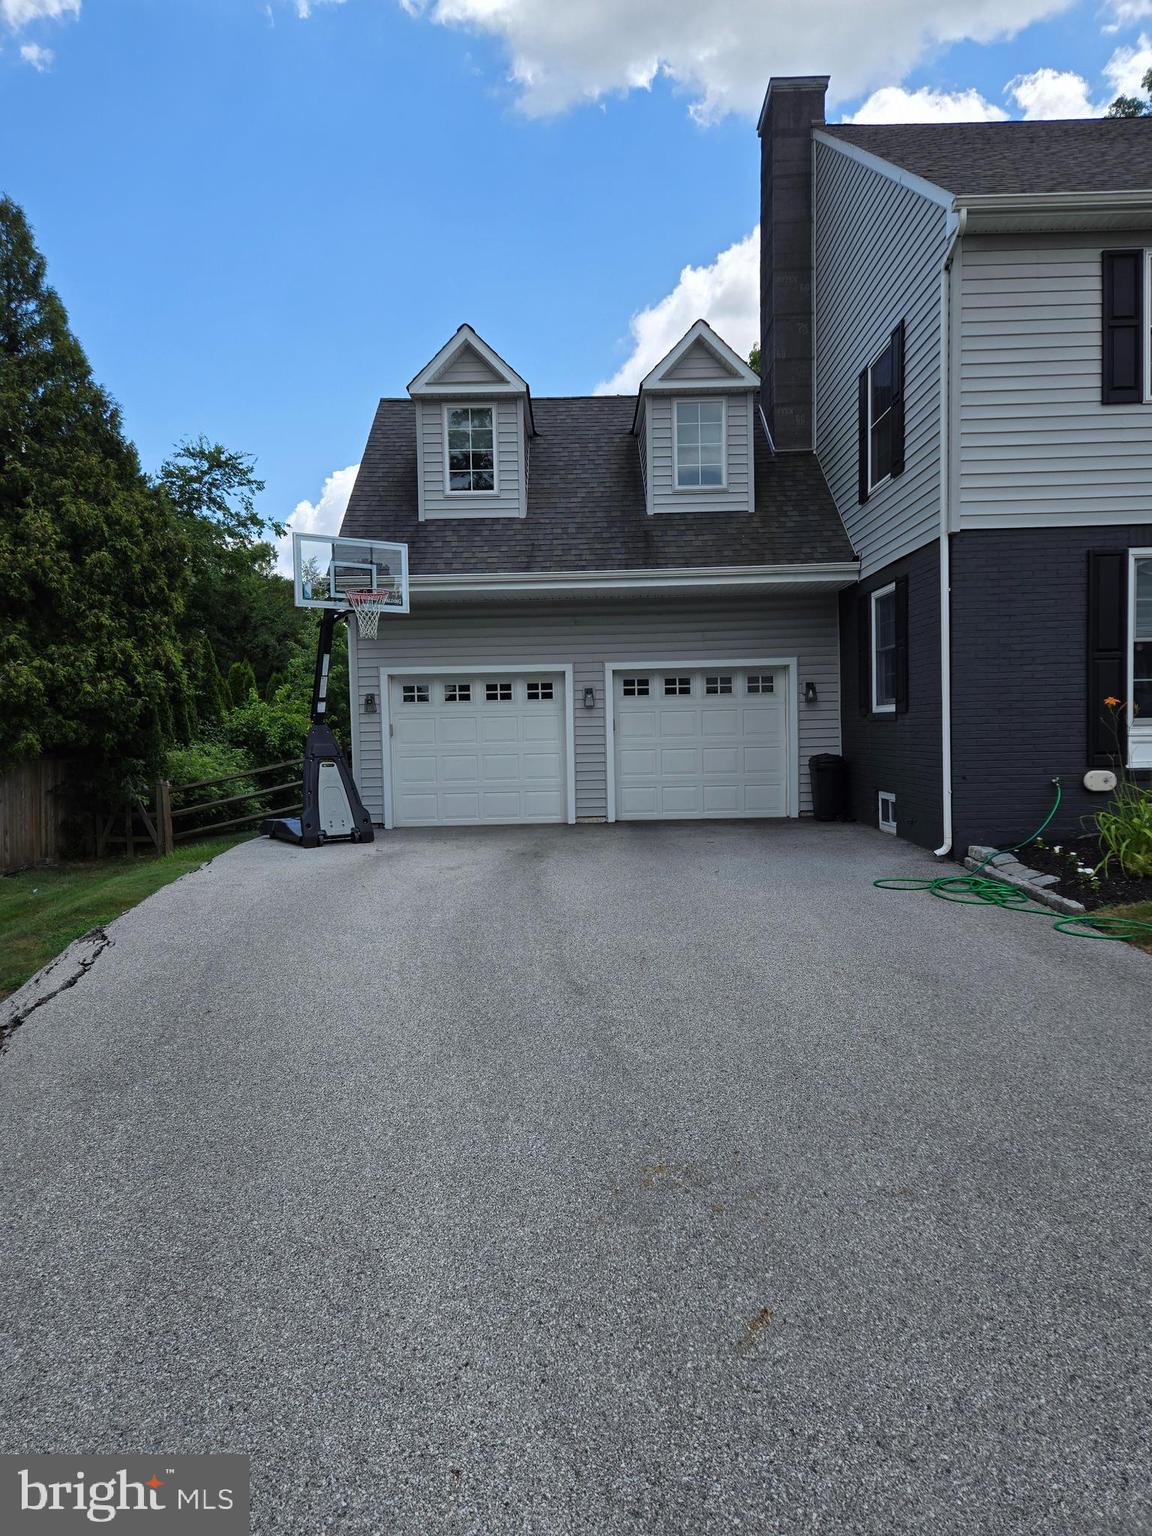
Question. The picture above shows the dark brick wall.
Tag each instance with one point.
(791, 109)
(900, 752)
(1020, 676)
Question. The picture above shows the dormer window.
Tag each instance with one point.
(699, 443)
(470, 449)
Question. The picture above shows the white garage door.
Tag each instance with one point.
(470, 749)
(709, 742)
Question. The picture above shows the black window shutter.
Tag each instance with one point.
(901, 596)
(1107, 652)
(864, 654)
(863, 435)
(898, 400)
(1122, 327)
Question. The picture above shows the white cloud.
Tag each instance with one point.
(1126, 69)
(322, 516)
(894, 104)
(1126, 13)
(39, 58)
(1052, 93)
(720, 52)
(726, 294)
(18, 13)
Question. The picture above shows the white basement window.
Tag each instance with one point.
(699, 433)
(886, 816)
(884, 650)
(471, 449)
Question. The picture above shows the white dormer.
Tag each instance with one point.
(695, 426)
(473, 427)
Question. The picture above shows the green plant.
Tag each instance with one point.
(1125, 825)
(210, 760)
(268, 732)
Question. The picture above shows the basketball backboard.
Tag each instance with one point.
(326, 568)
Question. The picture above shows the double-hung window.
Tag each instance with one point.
(699, 444)
(471, 447)
(881, 416)
(884, 650)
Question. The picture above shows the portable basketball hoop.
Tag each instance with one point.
(368, 603)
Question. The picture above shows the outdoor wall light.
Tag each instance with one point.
(589, 698)
(810, 694)
(369, 703)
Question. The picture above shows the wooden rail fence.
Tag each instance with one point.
(152, 822)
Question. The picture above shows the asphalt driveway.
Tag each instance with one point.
(653, 1179)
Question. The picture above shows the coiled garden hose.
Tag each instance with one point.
(978, 890)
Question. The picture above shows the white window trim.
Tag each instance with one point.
(874, 485)
(873, 598)
(885, 826)
(790, 664)
(1139, 753)
(473, 671)
(1146, 322)
(464, 405)
(698, 490)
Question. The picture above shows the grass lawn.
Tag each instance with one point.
(1141, 910)
(43, 910)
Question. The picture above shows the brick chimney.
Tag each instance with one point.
(793, 104)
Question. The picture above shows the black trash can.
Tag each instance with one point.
(829, 786)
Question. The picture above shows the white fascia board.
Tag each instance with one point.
(826, 575)
(888, 168)
(424, 382)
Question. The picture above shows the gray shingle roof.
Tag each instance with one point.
(586, 504)
(1107, 154)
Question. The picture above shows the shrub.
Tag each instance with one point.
(1125, 829)
(210, 760)
(268, 732)
(241, 682)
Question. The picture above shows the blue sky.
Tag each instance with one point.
(262, 216)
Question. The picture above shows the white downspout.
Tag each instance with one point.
(945, 561)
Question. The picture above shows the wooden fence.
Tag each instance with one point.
(35, 802)
(33, 810)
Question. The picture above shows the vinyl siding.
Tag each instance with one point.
(509, 499)
(586, 638)
(698, 363)
(736, 496)
(468, 367)
(1036, 445)
(879, 247)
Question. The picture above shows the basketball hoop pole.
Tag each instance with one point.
(323, 663)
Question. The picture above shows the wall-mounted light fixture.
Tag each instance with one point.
(369, 703)
(589, 698)
(810, 694)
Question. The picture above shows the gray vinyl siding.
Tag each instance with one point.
(879, 248)
(1036, 445)
(697, 363)
(468, 367)
(736, 496)
(509, 499)
(585, 638)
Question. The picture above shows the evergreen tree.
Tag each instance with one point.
(209, 685)
(241, 682)
(275, 680)
(92, 559)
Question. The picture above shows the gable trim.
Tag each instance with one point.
(739, 376)
(425, 382)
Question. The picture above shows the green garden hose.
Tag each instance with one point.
(978, 890)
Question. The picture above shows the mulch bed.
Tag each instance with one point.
(1075, 863)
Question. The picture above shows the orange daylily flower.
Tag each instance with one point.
(1112, 701)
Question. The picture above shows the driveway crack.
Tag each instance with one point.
(56, 977)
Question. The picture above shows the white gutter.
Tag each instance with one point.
(825, 574)
(945, 535)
